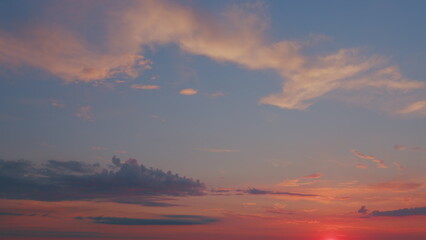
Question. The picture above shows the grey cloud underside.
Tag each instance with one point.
(256, 191)
(165, 221)
(54, 181)
(400, 212)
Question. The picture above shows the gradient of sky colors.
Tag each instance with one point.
(281, 120)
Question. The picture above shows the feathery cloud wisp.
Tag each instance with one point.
(380, 163)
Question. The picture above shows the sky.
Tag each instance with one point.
(281, 120)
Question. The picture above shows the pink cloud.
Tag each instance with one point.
(145, 87)
(217, 150)
(55, 103)
(380, 163)
(403, 148)
(188, 91)
(85, 113)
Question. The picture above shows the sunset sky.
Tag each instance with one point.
(212, 120)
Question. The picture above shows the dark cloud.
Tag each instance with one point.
(399, 212)
(256, 191)
(56, 180)
(363, 210)
(11, 214)
(70, 166)
(165, 220)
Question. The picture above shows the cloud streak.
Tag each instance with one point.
(405, 212)
(380, 163)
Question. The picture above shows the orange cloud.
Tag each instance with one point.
(397, 186)
(145, 87)
(380, 163)
(418, 108)
(297, 181)
(188, 91)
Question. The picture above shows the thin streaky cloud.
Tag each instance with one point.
(380, 163)
(145, 87)
(403, 148)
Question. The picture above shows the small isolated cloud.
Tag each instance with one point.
(217, 150)
(165, 220)
(380, 163)
(256, 191)
(85, 113)
(145, 87)
(121, 151)
(363, 210)
(188, 91)
(73, 180)
(56, 103)
(405, 212)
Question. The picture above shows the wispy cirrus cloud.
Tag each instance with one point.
(379, 162)
(299, 181)
(404, 148)
(145, 87)
(237, 36)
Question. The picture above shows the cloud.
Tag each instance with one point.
(403, 148)
(55, 103)
(398, 166)
(297, 181)
(256, 191)
(145, 87)
(397, 186)
(235, 36)
(11, 214)
(405, 212)
(217, 150)
(56, 181)
(360, 165)
(363, 210)
(165, 221)
(380, 163)
(85, 113)
(313, 175)
(418, 108)
(98, 148)
(188, 91)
